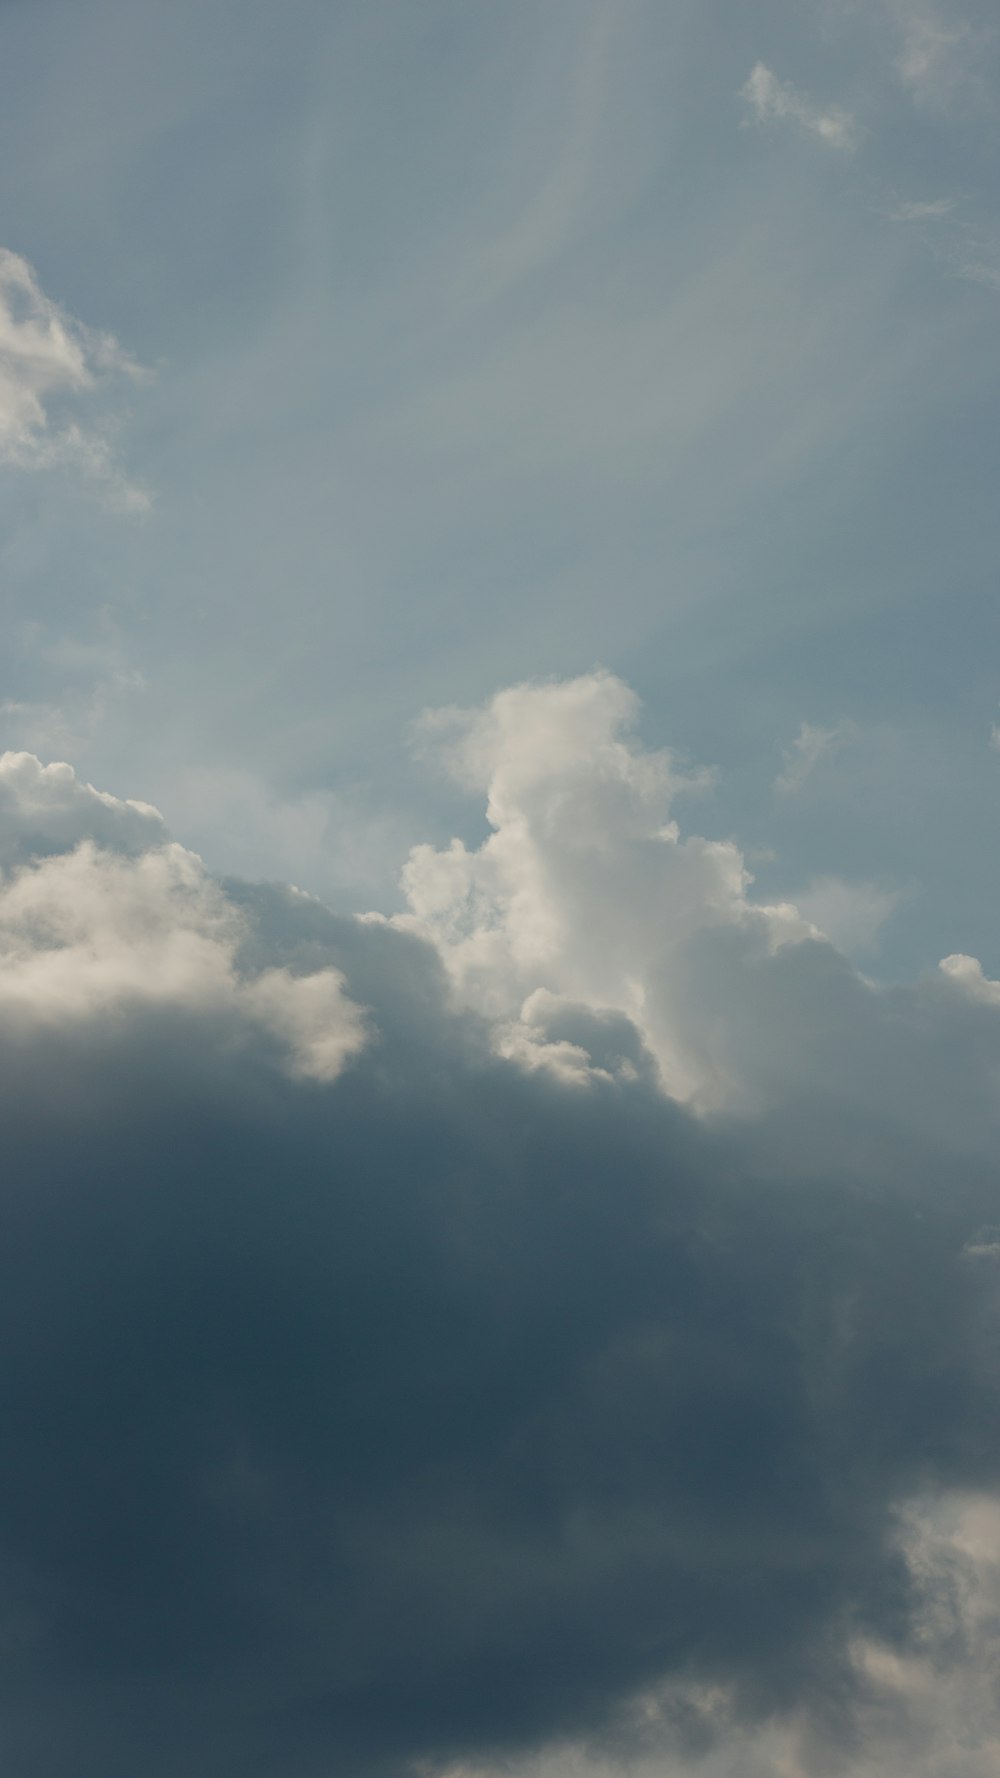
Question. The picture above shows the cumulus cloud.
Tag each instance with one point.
(773, 100)
(50, 367)
(427, 1389)
(47, 809)
(93, 926)
(584, 893)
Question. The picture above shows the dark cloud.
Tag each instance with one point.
(433, 1411)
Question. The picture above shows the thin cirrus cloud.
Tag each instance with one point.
(423, 1384)
(51, 367)
(771, 100)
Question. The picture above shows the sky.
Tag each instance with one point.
(499, 967)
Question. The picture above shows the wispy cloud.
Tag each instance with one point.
(547, 220)
(980, 263)
(929, 210)
(49, 365)
(966, 247)
(935, 54)
(772, 100)
(810, 745)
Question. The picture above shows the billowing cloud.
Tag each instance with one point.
(106, 915)
(50, 365)
(425, 1388)
(46, 810)
(774, 100)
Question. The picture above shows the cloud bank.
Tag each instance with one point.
(554, 1324)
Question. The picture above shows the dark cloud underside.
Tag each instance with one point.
(435, 1411)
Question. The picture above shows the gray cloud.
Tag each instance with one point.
(453, 1406)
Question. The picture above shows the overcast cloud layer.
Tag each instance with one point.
(499, 969)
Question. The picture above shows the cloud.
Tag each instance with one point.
(926, 210)
(850, 914)
(937, 55)
(93, 926)
(424, 1389)
(811, 745)
(927, 1712)
(771, 99)
(46, 810)
(50, 364)
(584, 889)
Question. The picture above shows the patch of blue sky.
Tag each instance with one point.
(490, 343)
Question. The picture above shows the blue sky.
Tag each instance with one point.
(488, 344)
(525, 476)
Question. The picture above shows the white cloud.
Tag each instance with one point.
(91, 926)
(774, 100)
(47, 809)
(591, 936)
(968, 973)
(586, 904)
(49, 365)
(584, 889)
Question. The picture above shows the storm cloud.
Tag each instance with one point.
(427, 1341)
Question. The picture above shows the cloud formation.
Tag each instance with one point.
(103, 914)
(49, 365)
(416, 1389)
(773, 100)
